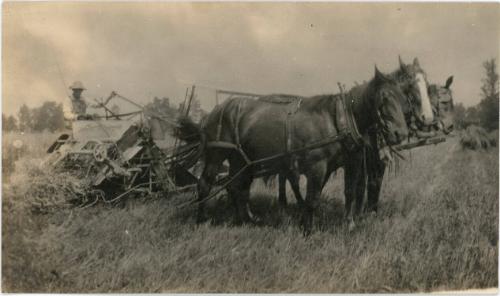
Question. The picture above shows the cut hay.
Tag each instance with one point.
(475, 138)
(44, 190)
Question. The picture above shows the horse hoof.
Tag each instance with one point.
(255, 221)
(236, 223)
(306, 228)
(352, 225)
(201, 219)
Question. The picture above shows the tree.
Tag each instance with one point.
(459, 116)
(490, 82)
(488, 107)
(49, 116)
(4, 121)
(160, 107)
(488, 110)
(9, 123)
(25, 118)
(472, 115)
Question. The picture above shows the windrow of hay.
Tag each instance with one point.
(16, 145)
(44, 190)
(475, 137)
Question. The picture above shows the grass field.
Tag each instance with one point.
(437, 229)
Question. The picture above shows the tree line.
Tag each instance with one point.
(48, 117)
(486, 113)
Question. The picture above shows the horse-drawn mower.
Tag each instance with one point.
(118, 154)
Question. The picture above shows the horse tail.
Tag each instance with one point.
(193, 134)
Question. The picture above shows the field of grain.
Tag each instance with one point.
(437, 229)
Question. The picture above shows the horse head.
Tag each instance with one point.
(387, 101)
(413, 82)
(442, 105)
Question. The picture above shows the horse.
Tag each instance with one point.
(412, 80)
(242, 130)
(441, 99)
(442, 104)
(417, 108)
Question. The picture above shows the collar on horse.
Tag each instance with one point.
(346, 124)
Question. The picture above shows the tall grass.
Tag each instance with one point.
(16, 145)
(437, 228)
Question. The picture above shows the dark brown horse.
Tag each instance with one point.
(417, 108)
(242, 130)
(442, 105)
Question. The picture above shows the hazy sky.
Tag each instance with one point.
(143, 50)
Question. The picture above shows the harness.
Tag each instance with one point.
(346, 126)
(228, 145)
(344, 119)
(347, 131)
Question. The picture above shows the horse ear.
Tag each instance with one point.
(377, 72)
(449, 81)
(379, 76)
(401, 64)
(416, 64)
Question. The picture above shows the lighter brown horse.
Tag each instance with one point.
(442, 105)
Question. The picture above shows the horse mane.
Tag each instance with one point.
(323, 102)
(319, 103)
(400, 74)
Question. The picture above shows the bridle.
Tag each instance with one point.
(381, 125)
(406, 82)
(437, 109)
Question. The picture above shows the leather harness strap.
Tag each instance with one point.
(344, 119)
(228, 145)
(294, 106)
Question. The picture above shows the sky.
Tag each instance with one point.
(143, 50)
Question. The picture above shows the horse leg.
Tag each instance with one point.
(353, 171)
(239, 190)
(282, 190)
(315, 177)
(204, 185)
(376, 170)
(360, 185)
(294, 179)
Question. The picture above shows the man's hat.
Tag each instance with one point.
(77, 85)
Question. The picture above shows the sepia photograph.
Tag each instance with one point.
(250, 147)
